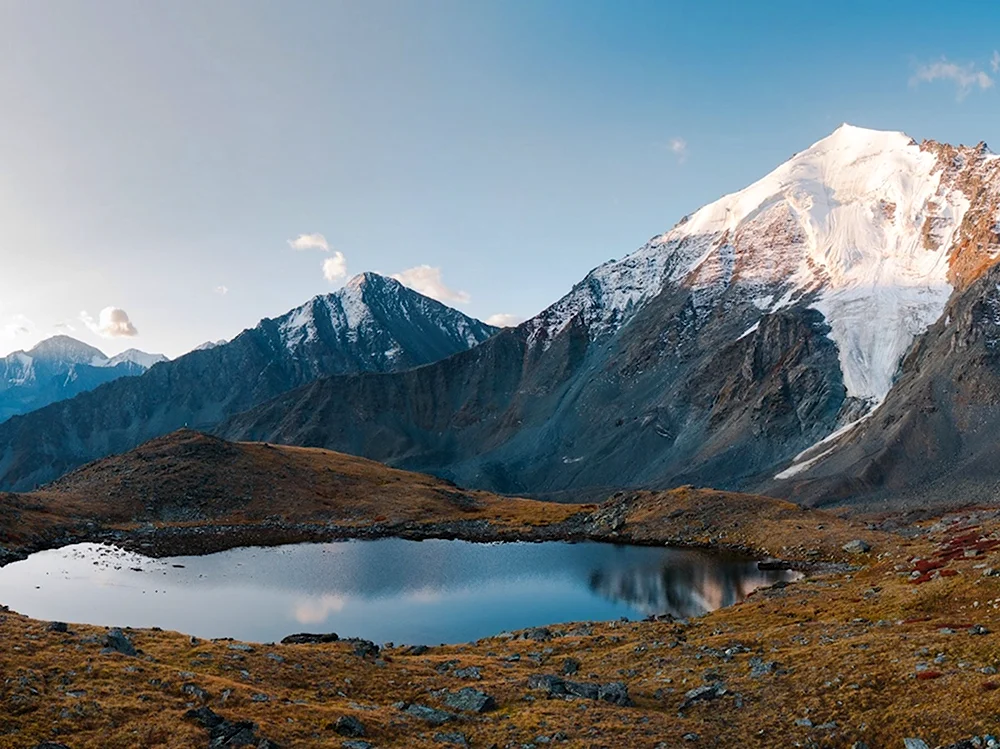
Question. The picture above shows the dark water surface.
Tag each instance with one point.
(416, 592)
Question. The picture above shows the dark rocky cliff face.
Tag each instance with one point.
(667, 399)
(934, 440)
(373, 324)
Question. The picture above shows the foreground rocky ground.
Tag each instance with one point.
(893, 638)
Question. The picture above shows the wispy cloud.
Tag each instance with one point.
(112, 322)
(428, 281)
(309, 242)
(966, 78)
(221, 290)
(335, 267)
(679, 147)
(995, 61)
(504, 320)
(17, 325)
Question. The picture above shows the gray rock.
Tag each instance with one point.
(471, 672)
(857, 546)
(195, 691)
(703, 694)
(614, 692)
(759, 667)
(348, 725)
(458, 739)
(429, 714)
(307, 638)
(356, 745)
(914, 744)
(57, 627)
(570, 666)
(539, 634)
(470, 700)
(116, 641)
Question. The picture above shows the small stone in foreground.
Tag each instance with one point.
(914, 744)
(857, 546)
(348, 725)
(116, 641)
(470, 700)
(451, 738)
(429, 714)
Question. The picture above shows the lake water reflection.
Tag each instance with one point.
(424, 592)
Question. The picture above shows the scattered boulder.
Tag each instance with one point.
(615, 692)
(57, 627)
(915, 744)
(224, 733)
(459, 739)
(538, 634)
(570, 666)
(470, 672)
(307, 638)
(348, 725)
(857, 546)
(195, 691)
(703, 694)
(356, 745)
(365, 648)
(116, 641)
(470, 700)
(759, 667)
(49, 745)
(429, 715)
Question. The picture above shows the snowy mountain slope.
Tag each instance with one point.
(715, 354)
(59, 368)
(862, 225)
(373, 324)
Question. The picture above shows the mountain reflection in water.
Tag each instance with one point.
(688, 586)
(405, 591)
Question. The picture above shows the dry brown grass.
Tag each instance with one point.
(848, 645)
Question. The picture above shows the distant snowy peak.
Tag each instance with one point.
(62, 352)
(367, 305)
(868, 227)
(66, 350)
(210, 345)
(134, 356)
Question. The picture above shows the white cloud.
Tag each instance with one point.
(679, 147)
(965, 77)
(65, 325)
(428, 281)
(504, 320)
(113, 322)
(995, 61)
(221, 290)
(335, 268)
(18, 325)
(309, 242)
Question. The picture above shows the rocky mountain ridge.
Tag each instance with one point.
(372, 324)
(715, 354)
(61, 367)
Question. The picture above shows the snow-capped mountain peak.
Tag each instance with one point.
(59, 368)
(864, 226)
(368, 306)
(135, 356)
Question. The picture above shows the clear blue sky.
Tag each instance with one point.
(153, 152)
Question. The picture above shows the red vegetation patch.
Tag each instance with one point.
(926, 675)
